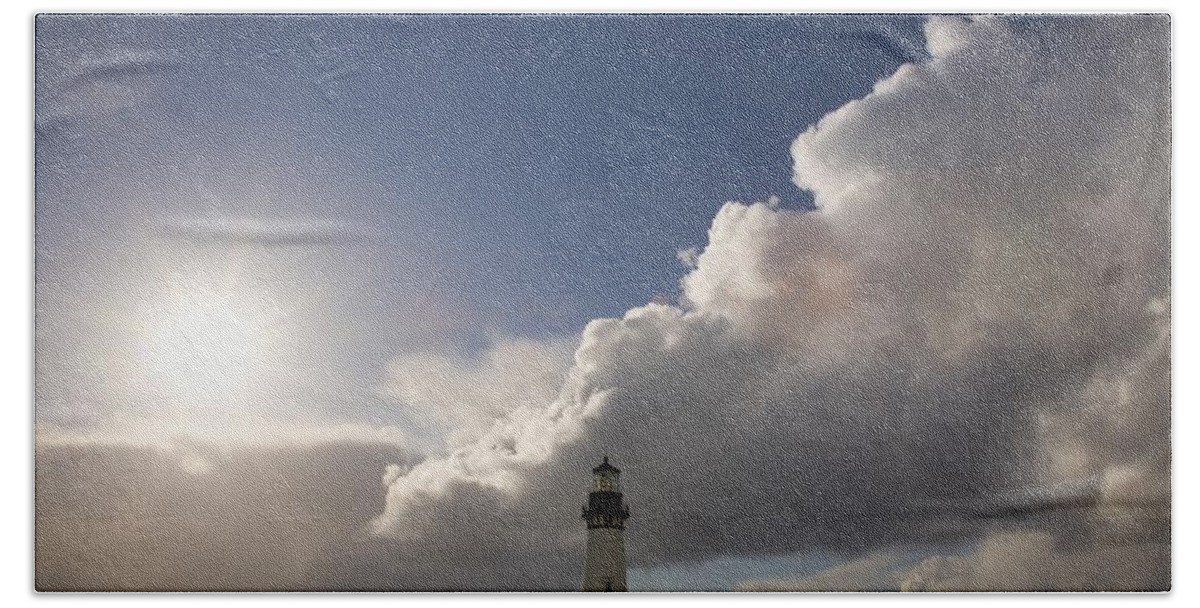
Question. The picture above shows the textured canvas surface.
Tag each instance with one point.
(849, 302)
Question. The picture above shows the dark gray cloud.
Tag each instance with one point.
(1014, 560)
(122, 518)
(1037, 561)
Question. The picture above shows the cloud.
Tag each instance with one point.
(461, 398)
(1032, 561)
(122, 518)
(876, 572)
(988, 266)
(251, 430)
(91, 86)
(1008, 560)
(245, 230)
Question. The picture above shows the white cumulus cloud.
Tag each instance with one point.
(989, 260)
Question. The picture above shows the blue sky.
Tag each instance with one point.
(545, 170)
(453, 180)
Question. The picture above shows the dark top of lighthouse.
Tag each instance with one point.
(605, 467)
(605, 507)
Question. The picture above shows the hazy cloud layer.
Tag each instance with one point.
(265, 232)
(125, 518)
(966, 345)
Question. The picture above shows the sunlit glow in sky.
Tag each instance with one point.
(203, 346)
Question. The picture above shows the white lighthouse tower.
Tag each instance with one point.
(605, 513)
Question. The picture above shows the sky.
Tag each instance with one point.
(853, 300)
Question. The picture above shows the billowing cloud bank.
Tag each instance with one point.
(954, 375)
(968, 340)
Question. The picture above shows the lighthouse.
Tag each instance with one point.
(605, 513)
